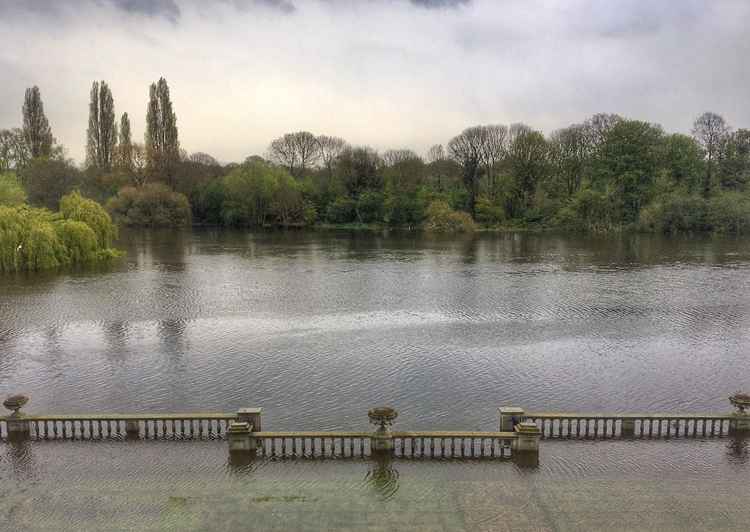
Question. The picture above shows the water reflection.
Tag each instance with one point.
(738, 449)
(382, 477)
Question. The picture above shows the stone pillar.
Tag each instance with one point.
(510, 416)
(627, 428)
(132, 428)
(740, 424)
(239, 436)
(527, 440)
(252, 416)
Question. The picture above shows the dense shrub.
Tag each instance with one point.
(729, 212)
(674, 213)
(11, 192)
(489, 213)
(48, 179)
(587, 210)
(257, 193)
(152, 205)
(440, 217)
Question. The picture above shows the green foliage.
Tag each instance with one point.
(587, 210)
(75, 207)
(441, 218)
(152, 205)
(208, 202)
(370, 207)
(11, 192)
(674, 213)
(405, 209)
(257, 193)
(489, 213)
(729, 212)
(343, 210)
(37, 239)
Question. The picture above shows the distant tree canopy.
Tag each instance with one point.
(604, 173)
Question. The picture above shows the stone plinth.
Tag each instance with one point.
(510, 416)
(240, 437)
(528, 436)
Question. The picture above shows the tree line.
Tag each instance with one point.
(606, 173)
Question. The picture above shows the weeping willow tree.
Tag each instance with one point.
(37, 239)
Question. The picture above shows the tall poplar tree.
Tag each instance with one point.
(101, 136)
(36, 131)
(125, 160)
(162, 144)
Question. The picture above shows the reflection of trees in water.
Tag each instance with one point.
(382, 477)
(737, 449)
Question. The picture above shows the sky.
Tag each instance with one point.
(387, 73)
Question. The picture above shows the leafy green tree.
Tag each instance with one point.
(36, 130)
(250, 193)
(101, 136)
(626, 165)
(527, 159)
(466, 149)
(125, 149)
(734, 161)
(358, 170)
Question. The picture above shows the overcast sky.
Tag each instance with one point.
(389, 73)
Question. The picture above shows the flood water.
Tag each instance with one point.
(318, 327)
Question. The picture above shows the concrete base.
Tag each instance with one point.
(627, 429)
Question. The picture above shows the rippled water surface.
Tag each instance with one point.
(317, 327)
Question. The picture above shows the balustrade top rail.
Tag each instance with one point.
(127, 417)
(582, 415)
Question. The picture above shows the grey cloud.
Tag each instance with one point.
(152, 8)
(440, 3)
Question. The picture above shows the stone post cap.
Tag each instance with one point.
(511, 410)
(249, 410)
(527, 427)
(239, 427)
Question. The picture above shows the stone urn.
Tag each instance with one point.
(383, 417)
(14, 403)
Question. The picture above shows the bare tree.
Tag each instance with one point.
(296, 151)
(466, 149)
(597, 127)
(394, 157)
(205, 159)
(139, 165)
(14, 152)
(568, 153)
(710, 131)
(493, 151)
(330, 149)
